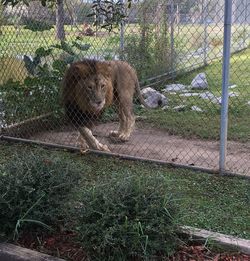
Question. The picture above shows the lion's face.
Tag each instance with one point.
(88, 84)
(94, 88)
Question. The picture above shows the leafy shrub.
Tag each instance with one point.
(39, 92)
(149, 49)
(150, 55)
(33, 190)
(36, 25)
(29, 99)
(124, 217)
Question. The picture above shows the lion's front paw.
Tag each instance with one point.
(114, 133)
(102, 147)
(123, 137)
(117, 136)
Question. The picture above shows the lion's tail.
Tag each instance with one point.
(141, 99)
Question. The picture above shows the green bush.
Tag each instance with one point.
(32, 98)
(150, 56)
(39, 92)
(127, 217)
(34, 190)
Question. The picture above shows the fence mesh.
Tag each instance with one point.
(176, 48)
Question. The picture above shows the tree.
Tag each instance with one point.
(109, 12)
(60, 32)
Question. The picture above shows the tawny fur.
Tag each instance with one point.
(91, 86)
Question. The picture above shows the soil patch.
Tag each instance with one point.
(151, 143)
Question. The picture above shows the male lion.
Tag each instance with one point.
(90, 86)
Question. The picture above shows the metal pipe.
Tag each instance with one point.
(123, 156)
(172, 21)
(122, 31)
(204, 22)
(225, 81)
(245, 25)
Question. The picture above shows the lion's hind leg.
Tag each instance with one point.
(92, 142)
(127, 121)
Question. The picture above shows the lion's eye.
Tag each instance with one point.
(103, 86)
(89, 87)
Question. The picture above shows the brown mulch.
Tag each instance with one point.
(61, 245)
(64, 245)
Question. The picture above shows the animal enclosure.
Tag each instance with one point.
(198, 99)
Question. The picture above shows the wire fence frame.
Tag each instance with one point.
(225, 75)
(225, 81)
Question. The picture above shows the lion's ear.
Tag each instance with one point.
(105, 69)
(82, 69)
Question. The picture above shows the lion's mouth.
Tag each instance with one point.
(97, 106)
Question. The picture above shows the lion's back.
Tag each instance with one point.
(124, 76)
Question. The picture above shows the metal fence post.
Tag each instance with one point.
(225, 81)
(172, 18)
(204, 22)
(122, 30)
(245, 24)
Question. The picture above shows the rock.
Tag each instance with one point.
(180, 108)
(200, 82)
(146, 92)
(164, 108)
(175, 88)
(211, 97)
(248, 103)
(232, 86)
(22, 57)
(217, 100)
(189, 94)
(153, 98)
(155, 101)
(196, 108)
(232, 94)
(207, 95)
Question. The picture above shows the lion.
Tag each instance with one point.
(90, 86)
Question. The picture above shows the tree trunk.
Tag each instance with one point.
(60, 33)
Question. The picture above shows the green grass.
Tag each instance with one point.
(18, 42)
(206, 201)
(206, 125)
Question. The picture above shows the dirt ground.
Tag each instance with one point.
(151, 143)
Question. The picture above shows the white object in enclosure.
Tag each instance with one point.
(200, 82)
(196, 108)
(153, 98)
(175, 88)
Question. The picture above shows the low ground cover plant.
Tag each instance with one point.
(121, 217)
(113, 216)
(33, 192)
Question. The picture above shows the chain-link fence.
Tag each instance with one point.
(60, 76)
